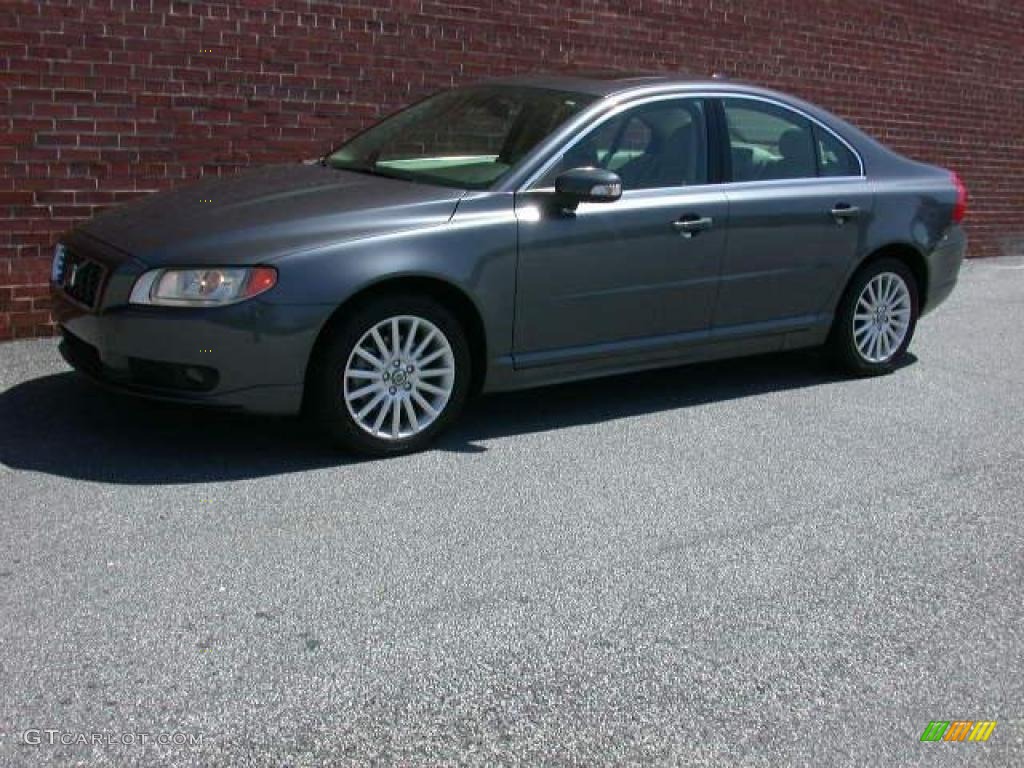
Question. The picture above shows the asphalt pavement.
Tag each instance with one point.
(751, 563)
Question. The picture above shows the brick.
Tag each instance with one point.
(104, 101)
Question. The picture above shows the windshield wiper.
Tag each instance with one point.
(370, 170)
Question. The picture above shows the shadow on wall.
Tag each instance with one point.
(62, 425)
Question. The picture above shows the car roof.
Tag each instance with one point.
(623, 87)
(616, 85)
(603, 84)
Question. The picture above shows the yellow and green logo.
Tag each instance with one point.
(958, 730)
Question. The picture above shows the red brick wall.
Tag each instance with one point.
(103, 100)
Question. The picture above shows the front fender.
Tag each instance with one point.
(474, 251)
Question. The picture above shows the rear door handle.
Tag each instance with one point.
(843, 211)
(691, 224)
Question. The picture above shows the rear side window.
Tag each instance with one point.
(834, 157)
(768, 142)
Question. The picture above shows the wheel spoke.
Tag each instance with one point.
(379, 341)
(431, 357)
(895, 290)
(435, 372)
(396, 418)
(423, 344)
(412, 335)
(430, 388)
(364, 391)
(885, 288)
(359, 373)
(381, 416)
(396, 344)
(370, 406)
(422, 403)
(894, 337)
(410, 411)
(884, 343)
(865, 343)
(378, 364)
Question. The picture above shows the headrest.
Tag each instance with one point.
(793, 144)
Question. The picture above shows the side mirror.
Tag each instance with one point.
(587, 185)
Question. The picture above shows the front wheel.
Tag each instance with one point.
(393, 376)
(876, 318)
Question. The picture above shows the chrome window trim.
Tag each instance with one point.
(582, 127)
(727, 185)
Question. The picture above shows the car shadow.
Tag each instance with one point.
(62, 425)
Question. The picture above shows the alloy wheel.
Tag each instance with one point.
(399, 377)
(881, 317)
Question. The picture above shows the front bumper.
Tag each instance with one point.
(250, 356)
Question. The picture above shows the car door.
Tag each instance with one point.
(798, 203)
(633, 274)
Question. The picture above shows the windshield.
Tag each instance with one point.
(467, 138)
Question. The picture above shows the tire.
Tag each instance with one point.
(347, 381)
(890, 318)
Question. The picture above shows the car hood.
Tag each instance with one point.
(261, 215)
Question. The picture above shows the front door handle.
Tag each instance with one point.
(843, 211)
(691, 224)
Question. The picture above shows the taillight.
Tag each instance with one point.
(960, 209)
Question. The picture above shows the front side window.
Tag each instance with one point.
(657, 145)
(467, 138)
(768, 142)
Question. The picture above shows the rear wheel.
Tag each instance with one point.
(393, 376)
(876, 318)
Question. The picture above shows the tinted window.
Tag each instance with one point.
(834, 157)
(663, 144)
(768, 142)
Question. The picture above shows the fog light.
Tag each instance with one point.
(195, 375)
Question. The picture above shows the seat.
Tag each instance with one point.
(679, 166)
(796, 157)
(665, 162)
(743, 164)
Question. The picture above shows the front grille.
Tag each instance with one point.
(79, 277)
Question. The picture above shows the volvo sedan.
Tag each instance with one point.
(513, 234)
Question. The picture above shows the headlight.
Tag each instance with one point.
(209, 287)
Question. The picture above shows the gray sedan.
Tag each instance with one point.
(513, 234)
